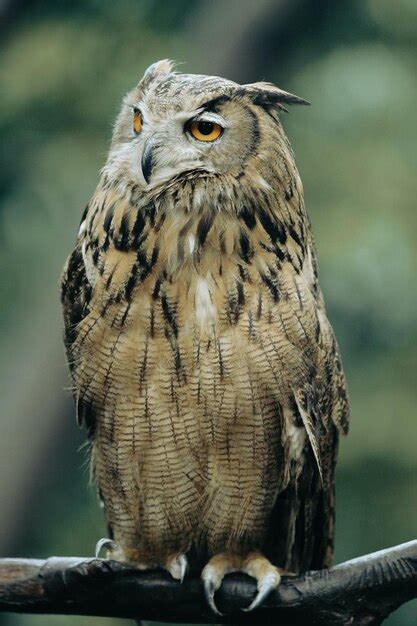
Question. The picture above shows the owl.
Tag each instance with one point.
(203, 364)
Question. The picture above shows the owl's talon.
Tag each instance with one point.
(177, 567)
(211, 582)
(104, 542)
(267, 576)
(210, 589)
(270, 582)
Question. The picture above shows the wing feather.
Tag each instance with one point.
(301, 530)
(75, 298)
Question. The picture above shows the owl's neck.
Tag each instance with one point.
(201, 220)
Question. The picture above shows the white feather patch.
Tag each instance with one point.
(82, 228)
(261, 182)
(191, 243)
(205, 310)
(307, 269)
(296, 437)
(89, 267)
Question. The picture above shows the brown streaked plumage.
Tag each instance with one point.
(202, 359)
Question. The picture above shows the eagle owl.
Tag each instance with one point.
(203, 364)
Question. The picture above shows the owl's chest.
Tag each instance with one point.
(195, 316)
(210, 321)
(206, 355)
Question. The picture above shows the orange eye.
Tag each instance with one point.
(137, 121)
(205, 131)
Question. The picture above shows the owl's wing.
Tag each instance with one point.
(320, 403)
(75, 297)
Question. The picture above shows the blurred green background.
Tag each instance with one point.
(64, 67)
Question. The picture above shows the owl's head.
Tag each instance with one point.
(174, 124)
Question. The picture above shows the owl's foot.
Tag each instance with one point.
(107, 543)
(214, 572)
(266, 575)
(176, 564)
(254, 564)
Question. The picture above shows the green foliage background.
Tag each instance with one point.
(63, 69)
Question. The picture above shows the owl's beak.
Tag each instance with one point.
(147, 161)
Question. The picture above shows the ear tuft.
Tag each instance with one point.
(165, 66)
(268, 96)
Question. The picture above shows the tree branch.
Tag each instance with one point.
(363, 591)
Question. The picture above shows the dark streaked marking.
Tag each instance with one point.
(259, 307)
(243, 273)
(95, 256)
(172, 391)
(84, 215)
(178, 366)
(213, 105)
(131, 281)
(271, 286)
(295, 236)
(280, 254)
(147, 162)
(122, 241)
(274, 227)
(245, 249)
(240, 294)
(125, 314)
(203, 228)
(151, 212)
(106, 306)
(145, 265)
(110, 277)
(108, 219)
(169, 315)
(152, 322)
(138, 226)
(157, 289)
(248, 216)
(267, 248)
(251, 329)
(154, 256)
(105, 244)
(235, 301)
(221, 364)
(143, 365)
